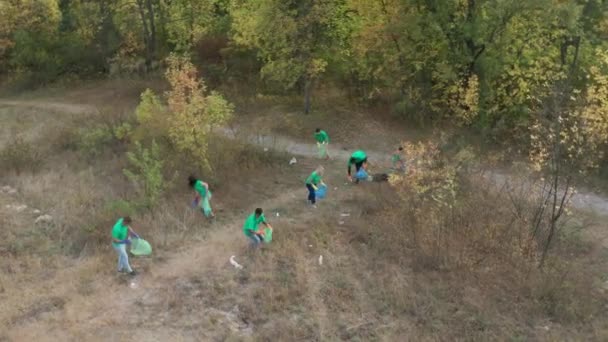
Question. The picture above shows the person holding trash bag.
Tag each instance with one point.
(252, 230)
(312, 183)
(121, 233)
(358, 158)
(202, 195)
(322, 143)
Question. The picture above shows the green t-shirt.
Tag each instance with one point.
(251, 224)
(314, 178)
(322, 137)
(396, 157)
(120, 231)
(358, 156)
(200, 188)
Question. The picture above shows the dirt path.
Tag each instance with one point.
(583, 200)
(70, 108)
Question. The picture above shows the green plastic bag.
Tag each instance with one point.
(206, 206)
(140, 247)
(322, 150)
(267, 235)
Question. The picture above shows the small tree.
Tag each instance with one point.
(147, 173)
(193, 113)
(566, 140)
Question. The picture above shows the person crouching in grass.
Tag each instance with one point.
(252, 229)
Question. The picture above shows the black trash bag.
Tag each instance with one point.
(380, 177)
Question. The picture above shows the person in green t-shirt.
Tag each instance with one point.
(312, 181)
(202, 195)
(397, 159)
(322, 143)
(358, 158)
(121, 233)
(251, 227)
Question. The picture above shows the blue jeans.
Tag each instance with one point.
(254, 240)
(311, 193)
(123, 257)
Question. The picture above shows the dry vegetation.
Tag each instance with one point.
(397, 268)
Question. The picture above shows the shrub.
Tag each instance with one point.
(123, 132)
(20, 155)
(92, 141)
(147, 173)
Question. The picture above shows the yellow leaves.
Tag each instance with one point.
(193, 114)
(429, 176)
(190, 115)
(316, 67)
(595, 112)
(149, 107)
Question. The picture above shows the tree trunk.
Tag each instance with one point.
(307, 94)
(152, 38)
(146, 12)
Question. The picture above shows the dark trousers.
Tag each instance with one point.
(358, 165)
(311, 194)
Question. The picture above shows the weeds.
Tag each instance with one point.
(20, 156)
(93, 141)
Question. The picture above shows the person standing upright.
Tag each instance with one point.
(322, 143)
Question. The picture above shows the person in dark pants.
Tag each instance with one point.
(358, 158)
(312, 182)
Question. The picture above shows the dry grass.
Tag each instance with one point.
(376, 283)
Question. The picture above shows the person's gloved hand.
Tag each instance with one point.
(126, 241)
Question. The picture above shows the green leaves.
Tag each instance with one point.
(146, 173)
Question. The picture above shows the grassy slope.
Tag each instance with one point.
(190, 292)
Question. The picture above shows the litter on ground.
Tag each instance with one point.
(235, 264)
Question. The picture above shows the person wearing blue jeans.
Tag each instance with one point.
(123, 258)
(120, 239)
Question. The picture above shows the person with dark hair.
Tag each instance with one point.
(202, 195)
(121, 234)
(358, 158)
(252, 229)
(322, 143)
(312, 181)
(397, 159)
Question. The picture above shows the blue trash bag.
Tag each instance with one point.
(321, 192)
(361, 174)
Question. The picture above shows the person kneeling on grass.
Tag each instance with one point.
(252, 229)
(358, 158)
(322, 143)
(202, 195)
(312, 181)
(120, 239)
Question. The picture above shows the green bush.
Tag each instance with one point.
(92, 141)
(147, 173)
(120, 208)
(20, 155)
(123, 131)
